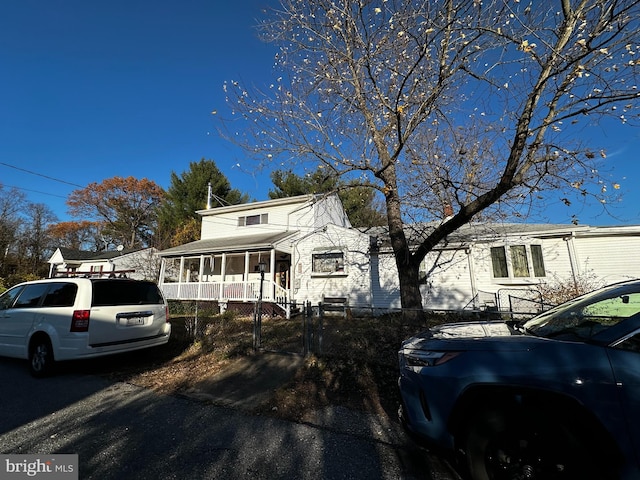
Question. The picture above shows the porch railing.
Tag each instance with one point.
(248, 291)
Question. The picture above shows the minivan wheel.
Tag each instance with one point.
(506, 446)
(41, 357)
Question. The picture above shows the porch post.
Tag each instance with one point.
(200, 277)
(181, 277)
(163, 266)
(272, 274)
(245, 286)
(223, 273)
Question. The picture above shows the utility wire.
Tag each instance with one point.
(34, 191)
(41, 175)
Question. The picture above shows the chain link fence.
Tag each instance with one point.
(312, 329)
(320, 330)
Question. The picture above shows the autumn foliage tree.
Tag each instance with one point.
(126, 208)
(479, 105)
(77, 235)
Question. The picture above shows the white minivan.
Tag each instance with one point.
(70, 318)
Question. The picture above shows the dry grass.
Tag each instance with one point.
(356, 367)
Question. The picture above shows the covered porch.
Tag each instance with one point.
(228, 276)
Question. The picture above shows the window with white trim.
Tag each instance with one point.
(517, 261)
(249, 220)
(328, 262)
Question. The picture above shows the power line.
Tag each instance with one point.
(41, 175)
(34, 191)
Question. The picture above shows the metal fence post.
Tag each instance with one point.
(320, 327)
(305, 327)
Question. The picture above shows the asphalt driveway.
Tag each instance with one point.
(121, 431)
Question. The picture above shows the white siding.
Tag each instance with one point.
(611, 259)
(385, 287)
(352, 283)
(329, 210)
(448, 282)
(304, 215)
(280, 218)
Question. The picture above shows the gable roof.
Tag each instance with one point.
(476, 232)
(297, 200)
(229, 244)
(73, 255)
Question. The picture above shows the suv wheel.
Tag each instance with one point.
(41, 357)
(502, 445)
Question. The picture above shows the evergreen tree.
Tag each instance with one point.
(360, 203)
(187, 194)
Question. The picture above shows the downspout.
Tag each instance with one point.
(472, 277)
(573, 257)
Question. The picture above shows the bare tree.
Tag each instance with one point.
(35, 241)
(475, 105)
(12, 203)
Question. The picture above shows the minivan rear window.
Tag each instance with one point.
(61, 295)
(109, 292)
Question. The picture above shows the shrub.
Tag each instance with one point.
(559, 290)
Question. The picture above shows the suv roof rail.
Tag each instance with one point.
(109, 274)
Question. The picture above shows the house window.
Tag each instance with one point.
(249, 220)
(518, 261)
(499, 262)
(329, 262)
(538, 262)
(191, 270)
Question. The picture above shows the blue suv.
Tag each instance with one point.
(555, 397)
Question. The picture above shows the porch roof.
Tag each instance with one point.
(259, 241)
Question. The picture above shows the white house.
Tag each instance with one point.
(248, 248)
(140, 264)
(497, 264)
(300, 249)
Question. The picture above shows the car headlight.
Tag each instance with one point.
(425, 358)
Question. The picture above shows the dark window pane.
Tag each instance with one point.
(8, 297)
(61, 295)
(519, 261)
(252, 220)
(631, 343)
(125, 292)
(30, 296)
(499, 262)
(538, 261)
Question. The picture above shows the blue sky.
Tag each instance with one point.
(91, 90)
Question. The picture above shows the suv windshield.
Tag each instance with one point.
(585, 316)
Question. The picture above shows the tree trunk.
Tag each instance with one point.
(410, 295)
(406, 263)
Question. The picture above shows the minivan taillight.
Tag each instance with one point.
(80, 321)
